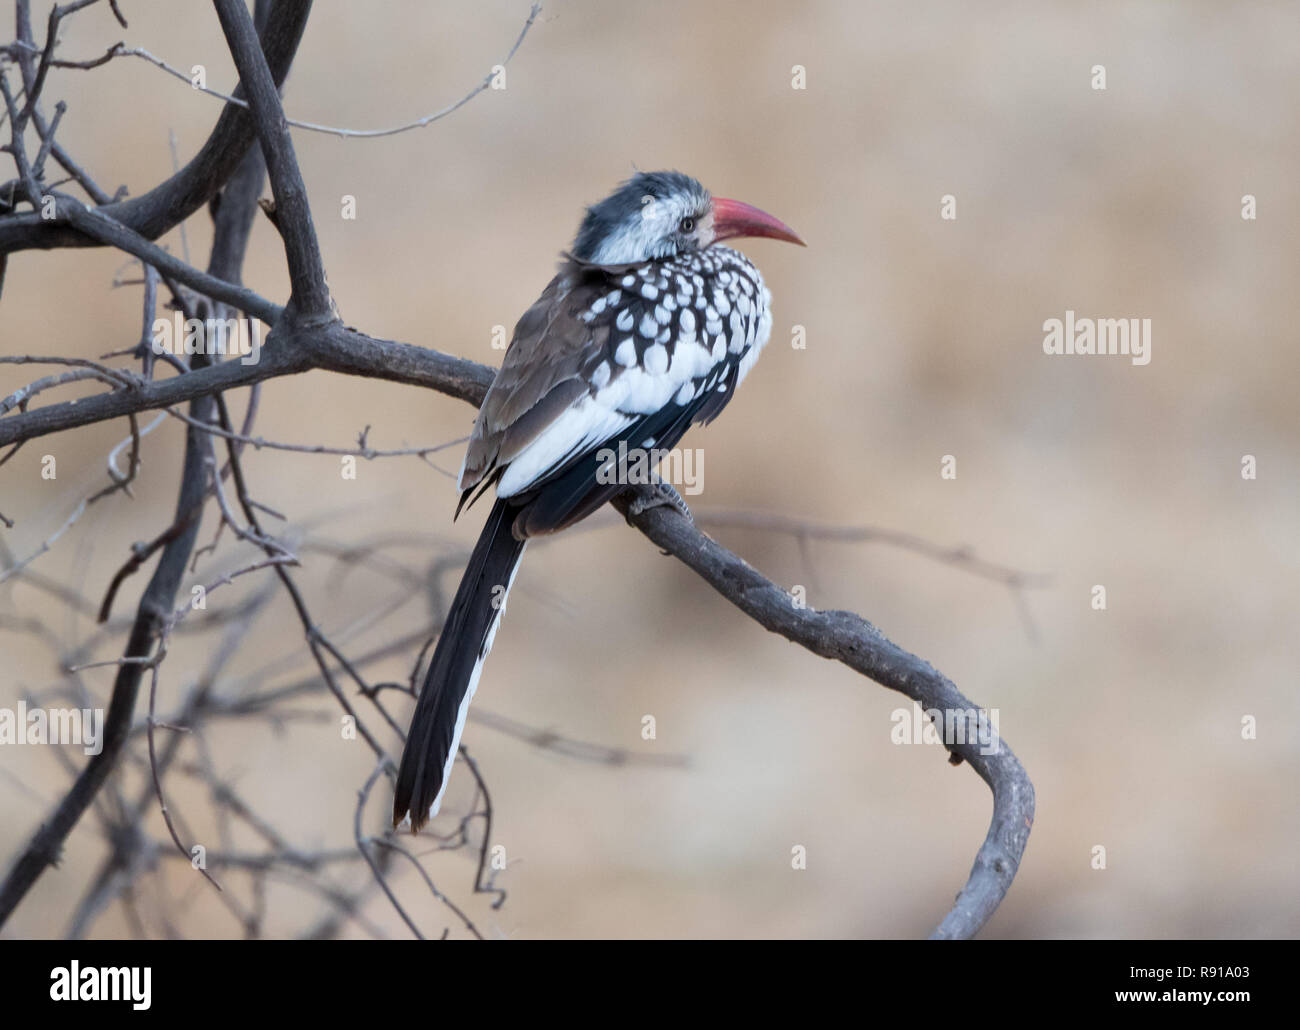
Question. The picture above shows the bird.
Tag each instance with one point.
(647, 328)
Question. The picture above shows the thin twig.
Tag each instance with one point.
(419, 123)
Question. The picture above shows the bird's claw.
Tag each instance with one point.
(659, 495)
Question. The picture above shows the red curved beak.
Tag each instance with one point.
(732, 218)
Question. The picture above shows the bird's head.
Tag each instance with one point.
(658, 215)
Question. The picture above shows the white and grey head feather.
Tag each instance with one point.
(652, 216)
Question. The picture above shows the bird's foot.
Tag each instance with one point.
(659, 494)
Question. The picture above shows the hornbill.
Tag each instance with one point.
(648, 327)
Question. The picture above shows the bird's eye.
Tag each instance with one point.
(687, 224)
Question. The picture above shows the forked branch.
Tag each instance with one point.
(306, 337)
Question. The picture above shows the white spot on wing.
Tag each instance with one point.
(656, 359)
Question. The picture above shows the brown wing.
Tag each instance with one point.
(547, 367)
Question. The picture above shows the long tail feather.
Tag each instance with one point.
(458, 658)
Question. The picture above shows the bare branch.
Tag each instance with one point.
(99, 226)
(419, 123)
(154, 609)
(157, 780)
(369, 453)
(850, 639)
(306, 269)
(803, 530)
(174, 200)
(307, 336)
(288, 350)
(361, 840)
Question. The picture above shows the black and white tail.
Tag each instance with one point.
(458, 658)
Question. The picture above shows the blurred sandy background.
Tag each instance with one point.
(924, 339)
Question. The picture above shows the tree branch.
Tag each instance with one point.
(840, 635)
(174, 200)
(306, 270)
(848, 638)
(305, 336)
(298, 123)
(288, 350)
(156, 604)
(98, 226)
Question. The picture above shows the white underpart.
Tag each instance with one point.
(691, 359)
(656, 359)
(762, 329)
(580, 427)
(463, 714)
